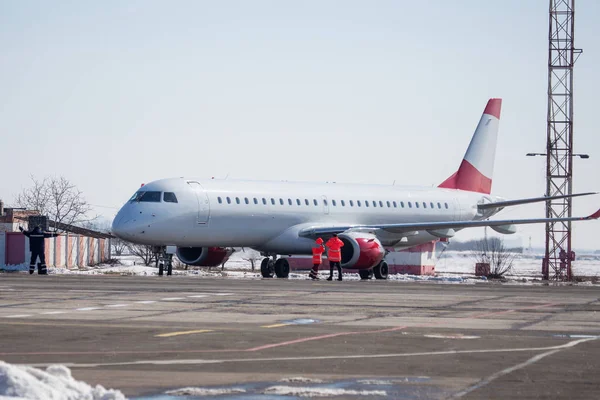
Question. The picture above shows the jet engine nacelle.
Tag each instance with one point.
(204, 256)
(361, 250)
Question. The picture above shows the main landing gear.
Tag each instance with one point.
(278, 267)
(164, 260)
(380, 271)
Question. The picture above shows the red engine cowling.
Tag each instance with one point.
(204, 256)
(361, 250)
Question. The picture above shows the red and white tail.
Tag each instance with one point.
(477, 167)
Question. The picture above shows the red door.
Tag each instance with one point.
(15, 248)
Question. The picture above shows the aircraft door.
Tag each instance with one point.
(325, 204)
(456, 209)
(203, 204)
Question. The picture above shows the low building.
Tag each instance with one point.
(76, 247)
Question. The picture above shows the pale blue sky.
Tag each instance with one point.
(111, 94)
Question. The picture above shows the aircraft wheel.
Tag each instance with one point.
(381, 270)
(266, 268)
(282, 268)
(365, 273)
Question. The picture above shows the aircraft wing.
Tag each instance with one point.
(507, 203)
(313, 232)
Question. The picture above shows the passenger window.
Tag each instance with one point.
(446, 204)
(264, 201)
(306, 202)
(417, 204)
(220, 200)
(169, 197)
(351, 203)
(374, 203)
(366, 204)
(388, 204)
(272, 201)
(431, 204)
(290, 202)
(333, 202)
(316, 202)
(358, 203)
(343, 204)
(402, 204)
(424, 205)
(228, 200)
(237, 200)
(281, 201)
(439, 205)
(381, 204)
(255, 200)
(246, 200)
(409, 204)
(298, 202)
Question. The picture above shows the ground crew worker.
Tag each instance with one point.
(317, 251)
(37, 247)
(334, 254)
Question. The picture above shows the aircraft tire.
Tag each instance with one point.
(266, 268)
(365, 274)
(282, 268)
(381, 270)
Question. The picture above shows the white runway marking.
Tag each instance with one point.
(117, 305)
(199, 295)
(532, 360)
(18, 316)
(549, 349)
(54, 312)
(146, 301)
(87, 308)
(173, 298)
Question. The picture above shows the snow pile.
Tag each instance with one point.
(301, 379)
(320, 392)
(375, 382)
(197, 391)
(55, 383)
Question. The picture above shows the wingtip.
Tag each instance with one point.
(595, 215)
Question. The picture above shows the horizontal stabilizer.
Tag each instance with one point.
(508, 203)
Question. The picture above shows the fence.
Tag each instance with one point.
(66, 251)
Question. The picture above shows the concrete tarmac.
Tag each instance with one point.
(146, 335)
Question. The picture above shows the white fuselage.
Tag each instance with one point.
(267, 216)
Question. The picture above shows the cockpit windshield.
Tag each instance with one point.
(146, 196)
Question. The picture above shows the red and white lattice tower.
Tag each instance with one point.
(559, 146)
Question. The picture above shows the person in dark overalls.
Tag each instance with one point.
(37, 247)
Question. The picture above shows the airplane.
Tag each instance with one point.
(203, 219)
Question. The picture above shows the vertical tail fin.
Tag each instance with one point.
(477, 167)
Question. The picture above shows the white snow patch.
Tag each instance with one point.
(56, 383)
(197, 391)
(301, 379)
(456, 336)
(320, 392)
(375, 382)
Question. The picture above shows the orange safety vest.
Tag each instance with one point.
(334, 252)
(316, 254)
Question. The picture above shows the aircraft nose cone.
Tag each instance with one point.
(121, 226)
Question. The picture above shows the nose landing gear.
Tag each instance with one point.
(164, 260)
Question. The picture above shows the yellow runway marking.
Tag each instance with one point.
(274, 326)
(183, 333)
